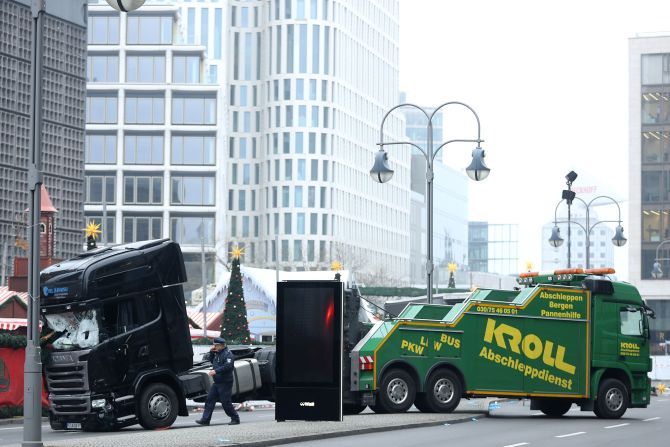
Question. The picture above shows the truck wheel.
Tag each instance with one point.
(612, 401)
(397, 391)
(378, 408)
(421, 403)
(555, 407)
(443, 391)
(158, 406)
(351, 409)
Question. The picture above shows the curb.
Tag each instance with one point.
(354, 432)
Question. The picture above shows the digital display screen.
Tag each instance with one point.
(309, 333)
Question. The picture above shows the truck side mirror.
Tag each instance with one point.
(644, 326)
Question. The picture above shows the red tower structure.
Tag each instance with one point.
(18, 282)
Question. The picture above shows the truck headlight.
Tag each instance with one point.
(98, 403)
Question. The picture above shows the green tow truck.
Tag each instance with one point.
(572, 336)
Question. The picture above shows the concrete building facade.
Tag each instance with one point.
(64, 93)
(155, 159)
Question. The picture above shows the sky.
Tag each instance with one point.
(549, 81)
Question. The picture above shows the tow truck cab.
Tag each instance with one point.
(119, 345)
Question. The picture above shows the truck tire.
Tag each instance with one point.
(397, 391)
(443, 391)
(158, 406)
(352, 409)
(555, 407)
(612, 400)
(421, 403)
(378, 409)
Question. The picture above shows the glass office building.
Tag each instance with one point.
(649, 143)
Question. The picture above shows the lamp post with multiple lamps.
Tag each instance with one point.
(556, 240)
(32, 391)
(656, 271)
(382, 173)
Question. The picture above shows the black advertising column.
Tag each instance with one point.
(309, 351)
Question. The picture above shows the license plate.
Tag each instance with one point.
(73, 425)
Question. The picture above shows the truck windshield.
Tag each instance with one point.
(86, 329)
(77, 330)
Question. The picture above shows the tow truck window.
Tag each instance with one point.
(631, 322)
(121, 316)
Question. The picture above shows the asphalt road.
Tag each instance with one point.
(512, 425)
(515, 425)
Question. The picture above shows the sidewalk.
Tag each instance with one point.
(269, 433)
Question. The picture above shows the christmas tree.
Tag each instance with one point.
(452, 268)
(234, 325)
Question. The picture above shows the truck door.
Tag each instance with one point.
(632, 338)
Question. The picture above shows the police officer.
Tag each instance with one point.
(223, 363)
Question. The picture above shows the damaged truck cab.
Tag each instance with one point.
(119, 349)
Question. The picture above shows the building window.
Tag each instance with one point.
(102, 68)
(147, 30)
(655, 147)
(186, 69)
(189, 230)
(103, 30)
(101, 109)
(193, 110)
(655, 69)
(99, 186)
(145, 68)
(142, 190)
(193, 150)
(145, 110)
(142, 228)
(297, 250)
(143, 149)
(192, 191)
(101, 149)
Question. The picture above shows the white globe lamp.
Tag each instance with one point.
(125, 5)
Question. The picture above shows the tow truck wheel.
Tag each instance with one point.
(421, 403)
(397, 391)
(378, 409)
(158, 406)
(555, 407)
(351, 409)
(443, 391)
(612, 401)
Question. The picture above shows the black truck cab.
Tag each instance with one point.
(119, 348)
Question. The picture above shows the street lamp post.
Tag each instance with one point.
(32, 389)
(657, 272)
(382, 173)
(556, 240)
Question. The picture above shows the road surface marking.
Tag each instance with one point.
(571, 434)
(618, 425)
(575, 409)
(651, 419)
(516, 445)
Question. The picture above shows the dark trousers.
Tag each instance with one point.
(220, 392)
